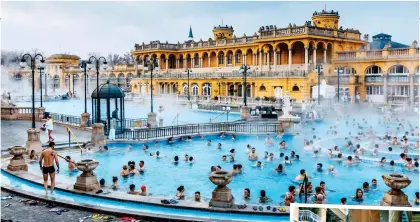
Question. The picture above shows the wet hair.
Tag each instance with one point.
(68, 157)
(319, 164)
(389, 149)
(176, 158)
(232, 150)
(132, 187)
(416, 164)
(191, 158)
(343, 200)
(376, 146)
(280, 167)
(197, 192)
(355, 196)
(291, 188)
(365, 185)
(224, 156)
(141, 161)
(402, 155)
(349, 158)
(219, 167)
(392, 163)
(247, 189)
(417, 194)
(286, 158)
(318, 189)
(358, 146)
(180, 188)
(124, 167)
(114, 179)
(51, 144)
(262, 193)
(374, 180)
(235, 166)
(102, 182)
(322, 182)
(281, 154)
(302, 171)
(131, 167)
(297, 157)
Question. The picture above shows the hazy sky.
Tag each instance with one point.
(104, 27)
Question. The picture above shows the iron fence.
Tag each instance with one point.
(67, 119)
(151, 133)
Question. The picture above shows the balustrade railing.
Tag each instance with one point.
(377, 54)
(191, 129)
(308, 216)
(66, 119)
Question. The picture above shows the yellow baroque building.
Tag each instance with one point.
(280, 60)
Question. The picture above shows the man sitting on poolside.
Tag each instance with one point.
(252, 155)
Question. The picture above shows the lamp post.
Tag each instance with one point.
(83, 67)
(243, 70)
(46, 85)
(188, 70)
(104, 66)
(338, 70)
(151, 64)
(40, 82)
(319, 68)
(227, 110)
(23, 64)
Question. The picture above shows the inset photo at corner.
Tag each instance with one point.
(351, 213)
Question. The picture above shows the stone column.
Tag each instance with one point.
(234, 62)
(412, 89)
(306, 59)
(275, 60)
(151, 120)
(33, 142)
(325, 56)
(260, 55)
(314, 57)
(385, 76)
(227, 89)
(235, 89)
(251, 86)
(185, 64)
(135, 66)
(84, 119)
(41, 111)
(98, 138)
(167, 65)
(159, 65)
(192, 62)
(290, 59)
(209, 64)
(244, 60)
(244, 112)
(177, 64)
(201, 62)
(17, 163)
(225, 60)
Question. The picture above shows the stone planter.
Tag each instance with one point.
(17, 163)
(222, 195)
(87, 181)
(395, 196)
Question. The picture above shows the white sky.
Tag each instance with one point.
(114, 27)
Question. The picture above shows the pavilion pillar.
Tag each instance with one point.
(325, 56)
(306, 59)
(412, 89)
(290, 59)
(385, 76)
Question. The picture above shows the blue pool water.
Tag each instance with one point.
(137, 207)
(135, 110)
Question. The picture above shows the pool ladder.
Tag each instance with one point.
(71, 134)
(176, 118)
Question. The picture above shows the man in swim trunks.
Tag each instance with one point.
(49, 156)
(252, 155)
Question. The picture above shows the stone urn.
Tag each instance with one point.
(17, 163)
(221, 195)
(395, 196)
(87, 181)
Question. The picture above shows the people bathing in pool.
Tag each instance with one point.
(290, 196)
(145, 147)
(141, 166)
(270, 157)
(263, 198)
(143, 190)
(417, 200)
(180, 193)
(358, 197)
(115, 183)
(247, 194)
(232, 152)
(349, 161)
(133, 170)
(176, 160)
(301, 176)
(33, 157)
(125, 172)
(171, 140)
(258, 164)
(252, 155)
(374, 184)
(70, 163)
(219, 146)
(197, 196)
(382, 162)
(268, 141)
(236, 169)
(282, 145)
(133, 190)
(208, 142)
(366, 187)
(157, 155)
(287, 161)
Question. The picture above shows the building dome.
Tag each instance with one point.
(63, 56)
(108, 90)
(381, 40)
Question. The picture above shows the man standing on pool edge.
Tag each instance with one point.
(49, 156)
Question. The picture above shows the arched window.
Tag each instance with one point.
(374, 70)
(262, 88)
(238, 58)
(295, 88)
(398, 69)
(206, 90)
(185, 89)
(195, 89)
(229, 59)
(221, 59)
(349, 71)
(417, 70)
(196, 60)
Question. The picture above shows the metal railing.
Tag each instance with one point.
(151, 133)
(309, 216)
(130, 123)
(66, 119)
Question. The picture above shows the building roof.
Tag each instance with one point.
(63, 56)
(190, 34)
(380, 40)
(108, 90)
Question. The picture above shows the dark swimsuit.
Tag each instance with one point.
(48, 170)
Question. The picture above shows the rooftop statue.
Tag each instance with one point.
(414, 44)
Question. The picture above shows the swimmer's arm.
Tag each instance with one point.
(40, 161)
(56, 161)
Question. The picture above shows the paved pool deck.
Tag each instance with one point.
(13, 132)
